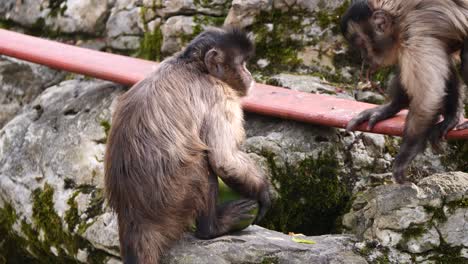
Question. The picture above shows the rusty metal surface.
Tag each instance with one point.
(263, 99)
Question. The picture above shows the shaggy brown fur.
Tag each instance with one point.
(419, 36)
(171, 135)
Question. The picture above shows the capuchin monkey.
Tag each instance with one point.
(172, 134)
(419, 36)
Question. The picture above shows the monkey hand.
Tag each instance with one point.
(462, 126)
(264, 202)
(238, 215)
(372, 115)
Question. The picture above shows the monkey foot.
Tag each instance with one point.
(462, 126)
(399, 176)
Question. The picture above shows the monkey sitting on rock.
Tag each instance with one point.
(172, 134)
(419, 37)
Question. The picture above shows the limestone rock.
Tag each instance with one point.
(81, 16)
(20, 83)
(26, 13)
(454, 231)
(258, 245)
(243, 12)
(173, 31)
(370, 97)
(303, 83)
(125, 22)
(168, 8)
(309, 5)
(428, 217)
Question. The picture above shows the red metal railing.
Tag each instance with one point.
(264, 99)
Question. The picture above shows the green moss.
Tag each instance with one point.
(448, 254)
(95, 205)
(454, 205)
(270, 260)
(382, 260)
(437, 213)
(57, 7)
(383, 75)
(12, 246)
(69, 183)
(457, 155)
(273, 31)
(202, 21)
(150, 44)
(390, 146)
(326, 19)
(413, 232)
(311, 196)
(6, 24)
(106, 126)
(72, 217)
(212, 4)
(44, 233)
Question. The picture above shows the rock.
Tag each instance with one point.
(125, 42)
(303, 83)
(20, 83)
(243, 12)
(168, 8)
(454, 230)
(26, 13)
(309, 5)
(173, 31)
(86, 16)
(452, 186)
(125, 22)
(259, 245)
(424, 243)
(423, 218)
(370, 97)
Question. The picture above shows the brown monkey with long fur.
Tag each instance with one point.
(171, 135)
(419, 36)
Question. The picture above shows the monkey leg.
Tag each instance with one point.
(452, 109)
(216, 220)
(399, 101)
(418, 126)
(148, 227)
(464, 73)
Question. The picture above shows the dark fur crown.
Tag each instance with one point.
(222, 38)
(357, 12)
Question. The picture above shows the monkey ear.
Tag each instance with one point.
(213, 63)
(382, 22)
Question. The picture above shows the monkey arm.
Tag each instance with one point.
(399, 101)
(223, 135)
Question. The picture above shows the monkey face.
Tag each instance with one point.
(230, 66)
(372, 32)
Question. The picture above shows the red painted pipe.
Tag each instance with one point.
(264, 99)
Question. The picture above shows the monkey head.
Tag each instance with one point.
(223, 53)
(373, 32)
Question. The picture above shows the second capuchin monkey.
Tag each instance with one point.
(419, 37)
(172, 134)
